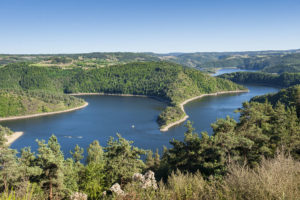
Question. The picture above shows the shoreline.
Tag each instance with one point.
(166, 128)
(42, 114)
(107, 94)
(12, 138)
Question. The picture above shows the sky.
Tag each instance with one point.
(161, 26)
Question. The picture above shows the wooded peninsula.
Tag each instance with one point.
(167, 81)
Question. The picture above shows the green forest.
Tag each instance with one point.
(290, 97)
(241, 160)
(20, 102)
(167, 81)
(282, 80)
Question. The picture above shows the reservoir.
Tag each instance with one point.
(133, 117)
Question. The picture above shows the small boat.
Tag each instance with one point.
(132, 126)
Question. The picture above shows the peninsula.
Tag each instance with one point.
(13, 137)
(166, 128)
(43, 114)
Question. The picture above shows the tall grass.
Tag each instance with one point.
(13, 195)
(278, 178)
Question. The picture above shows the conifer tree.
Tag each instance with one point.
(123, 160)
(9, 168)
(77, 153)
(50, 159)
(95, 153)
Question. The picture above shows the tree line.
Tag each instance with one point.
(282, 80)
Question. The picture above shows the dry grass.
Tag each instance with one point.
(274, 179)
(278, 178)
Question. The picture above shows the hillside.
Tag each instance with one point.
(84, 60)
(289, 97)
(282, 80)
(272, 63)
(19, 103)
(170, 82)
(267, 61)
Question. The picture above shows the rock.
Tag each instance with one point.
(147, 180)
(116, 188)
(150, 180)
(78, 196)
(149, 175)
(138, 177)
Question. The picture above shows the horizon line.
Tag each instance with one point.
(149, 52)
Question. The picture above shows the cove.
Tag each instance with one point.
(107, 115)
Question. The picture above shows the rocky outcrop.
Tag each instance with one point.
(116, 188)
(78, 196)
(147, 180)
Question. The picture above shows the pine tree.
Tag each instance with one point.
(28, 167)
(9, 169)
(77, 154)
(92, 176)
(92, 180)
(71, 175)
(123, 160)
(150, 160)
(95, 153)
(50, 159)
(156, 159)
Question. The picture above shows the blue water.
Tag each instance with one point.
(107, 115)
(231, 70)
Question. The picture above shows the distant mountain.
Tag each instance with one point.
(273, 61)
(270, 61)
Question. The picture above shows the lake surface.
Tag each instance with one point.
(107, 115)
(231, 70)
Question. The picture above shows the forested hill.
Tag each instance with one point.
(282, 80)
(268, 61)
(18, 102)
(290, 97)
(168, 81)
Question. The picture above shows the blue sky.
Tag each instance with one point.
(70, 26)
